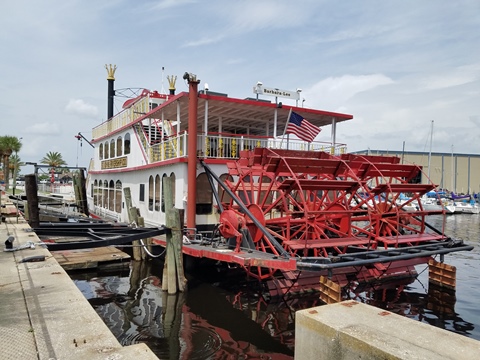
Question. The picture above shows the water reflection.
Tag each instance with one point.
(228, 318)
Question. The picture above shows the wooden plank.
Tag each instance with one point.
(330, 292)
(90, 258)
(324, 243)
(441, 274)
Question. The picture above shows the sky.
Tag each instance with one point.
(395, 65)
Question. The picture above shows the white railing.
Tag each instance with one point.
(127, 116)
(228, 146)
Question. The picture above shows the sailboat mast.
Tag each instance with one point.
(430, 151)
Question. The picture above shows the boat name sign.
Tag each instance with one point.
(114, 163)
(262, 90)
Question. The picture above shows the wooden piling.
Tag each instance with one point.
(83, 192)
(147, 242)
(174, 279)
(133, 214)
(32, 200)
(79, 186)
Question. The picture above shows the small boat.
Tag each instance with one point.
(466, 207)
(432, 204)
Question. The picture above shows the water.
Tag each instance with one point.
(224, 317)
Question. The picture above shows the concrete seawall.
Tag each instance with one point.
(352, 330)
(43, 315)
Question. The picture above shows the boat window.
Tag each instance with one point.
(99, 193)
(163, 194)
(118, 196)
(111, 195)
(100, 152)
(112, 148)
(172, 175)
(119, 146)
(157, 193)
(105, 151)
(224, 197)
(105, 194)
(142, 193)
(150, 193)
(95, 192)
(126, 143)
(204, 195)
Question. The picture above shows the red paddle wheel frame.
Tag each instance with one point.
(319, 205)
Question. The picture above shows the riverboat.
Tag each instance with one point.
(256, 198)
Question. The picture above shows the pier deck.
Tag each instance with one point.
(43, 315)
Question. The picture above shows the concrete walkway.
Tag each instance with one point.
(43, 315)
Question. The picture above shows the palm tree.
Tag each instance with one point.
(53, 159)
(15, 162)
(8, 144)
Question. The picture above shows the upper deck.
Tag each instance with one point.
(225, 125)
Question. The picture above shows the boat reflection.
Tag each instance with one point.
(225, 319)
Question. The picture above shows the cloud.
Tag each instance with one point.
(334, 92)
(81, 108)
(232, 19)
(452, 77)
(45, 128)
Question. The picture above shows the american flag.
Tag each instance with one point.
(302, 128)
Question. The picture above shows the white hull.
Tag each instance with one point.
(466, 208)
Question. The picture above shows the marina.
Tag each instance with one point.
(253, 189)
(223, 313)
(228, 316)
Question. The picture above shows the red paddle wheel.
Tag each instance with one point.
(318, 205)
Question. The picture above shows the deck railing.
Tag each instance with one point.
(228, 146)
(127, 116)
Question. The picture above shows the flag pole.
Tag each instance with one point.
(285, 129)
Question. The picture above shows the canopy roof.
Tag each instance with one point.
(240, 115)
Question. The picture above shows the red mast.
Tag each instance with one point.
(192, 148)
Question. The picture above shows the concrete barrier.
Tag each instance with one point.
(352, 330)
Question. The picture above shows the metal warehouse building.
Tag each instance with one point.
(456, 172)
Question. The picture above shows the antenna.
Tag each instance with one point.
(162, 91)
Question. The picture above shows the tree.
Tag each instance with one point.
(53, 159)
(8, 144)
(15, 162)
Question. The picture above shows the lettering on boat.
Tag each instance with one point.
(114, 163)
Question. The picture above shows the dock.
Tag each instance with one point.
(80, 259)
(351, 330)
(43, 315)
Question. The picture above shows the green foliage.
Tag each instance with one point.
(53, 159)
(8, 145)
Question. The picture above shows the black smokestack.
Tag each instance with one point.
(111, 91)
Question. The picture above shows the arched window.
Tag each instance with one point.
(172, 175)
(99, 193)
(111, 195)
(95, 192)
(119, 146)
(105, 151)
(112, 148)
(105, 194)
(150, 193)
(224, 197)
(157, 193)
(204, 195)
(126, 143)
(100, 151)
(163, 193)
(118, 196)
